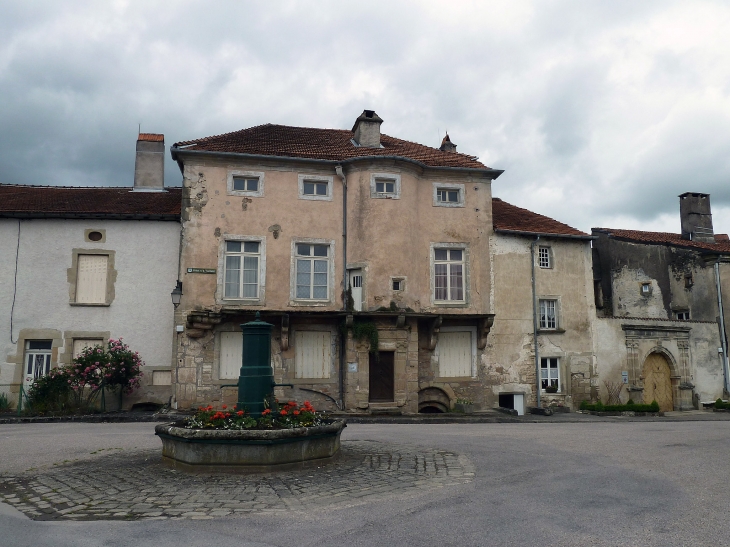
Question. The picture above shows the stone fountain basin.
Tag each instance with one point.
(248, 449)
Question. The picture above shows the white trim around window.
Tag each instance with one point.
(545, 256)
(550, 373)
(245, 177)
(447, 194)
(453, 270)
(315, 193)
(242, 278)
(310, 268)
(384, 186)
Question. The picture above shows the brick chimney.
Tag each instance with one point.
(149, 166)
(447, 145)
(696, 217)
(367, 129)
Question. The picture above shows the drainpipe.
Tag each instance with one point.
(343, 349)
(534, 322)
(723, 340)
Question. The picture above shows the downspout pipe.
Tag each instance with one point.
(343, 349)
(723, 339)
(538, 383)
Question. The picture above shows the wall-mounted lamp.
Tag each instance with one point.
(176, 294)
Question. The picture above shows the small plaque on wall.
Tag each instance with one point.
(351, 367)
(202, 270)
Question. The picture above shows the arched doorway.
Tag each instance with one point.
(657, 382)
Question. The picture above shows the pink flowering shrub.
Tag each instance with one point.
(76, 387)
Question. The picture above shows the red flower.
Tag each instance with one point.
(240, 412)
(283, 412)
(265, 412)
(292, 403)
(296, 413)
(225, 407)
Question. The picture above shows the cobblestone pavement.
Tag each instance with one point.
(136, 485)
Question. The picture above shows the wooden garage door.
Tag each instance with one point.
(657, 382)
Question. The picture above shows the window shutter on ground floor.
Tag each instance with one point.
(81, 344)
(230, 355)
(454, 350)
(313, 354)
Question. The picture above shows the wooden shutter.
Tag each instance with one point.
(454, 349)
(91, 279)
(231, 351)
(313, 354)
(80, 345)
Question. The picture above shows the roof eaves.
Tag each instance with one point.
(505, 231)
(177, 152)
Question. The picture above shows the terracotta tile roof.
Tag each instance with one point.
(151, 137)
(73, 202)
(508, 217)
(324, 144)
(664, 238)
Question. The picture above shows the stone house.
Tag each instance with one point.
(663, 298)
(369, 254)
(82, 265)
(557, 311)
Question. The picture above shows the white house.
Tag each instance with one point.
(82, 265)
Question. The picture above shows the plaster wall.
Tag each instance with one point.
(140, 311)
(509, 360)
(386, 237)
(689, 346)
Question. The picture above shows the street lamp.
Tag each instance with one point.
(176, 294)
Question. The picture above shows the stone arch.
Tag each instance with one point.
(657, 375)
(433, 399)
(664, 352)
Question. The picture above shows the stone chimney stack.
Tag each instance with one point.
(367, 129)
(447, 145)
(149, 167)
(696, 217)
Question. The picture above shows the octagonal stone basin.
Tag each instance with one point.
(255, 450)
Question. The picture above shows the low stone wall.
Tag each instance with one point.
(249, 448)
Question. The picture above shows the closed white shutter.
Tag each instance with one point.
(313, 354)
(80, 345)
(231, 352)
(91, 279)
(454, 350)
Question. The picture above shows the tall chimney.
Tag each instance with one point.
(149, 166)
(696, 217)
(367, 129)
(447, 145)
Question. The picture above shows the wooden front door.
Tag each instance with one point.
(381, 377)
(657, 382)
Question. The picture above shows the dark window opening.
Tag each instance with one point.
(430, 409)
(95, 236)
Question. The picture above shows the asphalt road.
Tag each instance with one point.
(550, 484)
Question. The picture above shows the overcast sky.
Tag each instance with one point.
(600, 113)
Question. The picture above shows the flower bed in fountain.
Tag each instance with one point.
(225, 439)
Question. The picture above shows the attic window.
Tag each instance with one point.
(95, 236)
(682, 316)
(645, 289)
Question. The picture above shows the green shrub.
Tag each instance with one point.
(630, 402)
(721, 405)
(631, 406)
(4, 403)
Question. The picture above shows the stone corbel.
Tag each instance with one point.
(285, 332)
(199, 323)
(483, 328)
(433, 335)
(400, 321)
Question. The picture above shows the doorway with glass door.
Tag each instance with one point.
(37, 361)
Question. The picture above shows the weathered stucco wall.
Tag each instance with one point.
(145, 268)
(510, 360)
(690, 348)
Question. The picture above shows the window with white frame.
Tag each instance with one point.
(312, 354)
(37, 358)
(91, 278)
(448, 274)
(384, 185)
(315, 187)
(448, 195)
(456, 352)
(544, 258)
(242, 263)
(548, 314)
(246, 183)
(550, 372)
(312, 271)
